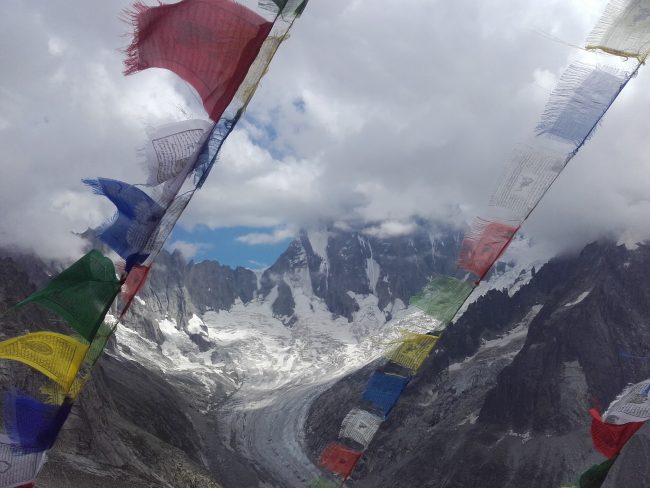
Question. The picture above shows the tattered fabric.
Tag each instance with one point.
(623, 30)
(609, 439)
(360, 426)
(583, 95)
(632, 405)
(339, 459)
(209, 43)
(483, 245)
(413, 350)
(31, 425)
(442, 297)
(17, 468)
(172, 155)
(383, 390)
(57, 356)
(526, 181)
(55, 394)
(81, 294)
(138, 216)
(595, 476)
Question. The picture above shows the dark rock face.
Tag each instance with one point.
(355, 263)
(130, 426)
(496, 407)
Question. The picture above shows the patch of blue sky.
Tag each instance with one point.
(202, 243)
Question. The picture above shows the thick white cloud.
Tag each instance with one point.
(372, 111)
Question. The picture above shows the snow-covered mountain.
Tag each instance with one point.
(235, 356)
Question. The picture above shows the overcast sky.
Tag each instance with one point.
(374, 112)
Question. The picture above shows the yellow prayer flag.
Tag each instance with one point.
(57, 356)
(413, 350)
(55, 394)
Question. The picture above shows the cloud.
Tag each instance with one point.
(391, 228)
(258, 238)
(188, 249)
(375, 111)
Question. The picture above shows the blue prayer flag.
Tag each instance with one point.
(31, 425)
(383, 390)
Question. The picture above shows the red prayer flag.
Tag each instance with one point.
(134, 282)
(483, 245)
(339, 459)
(609, 439)
(209, 43)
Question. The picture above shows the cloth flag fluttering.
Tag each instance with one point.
(57, 356)
(632, 405)
(209, 43)
(33, 426)
(412, 350)
(609, 439)
(82, 293)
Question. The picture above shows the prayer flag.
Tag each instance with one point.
(57, 356)
(633, 405)
(17, 468)
(33, 426)
(360, 426)
(209, 43)
(81, 294)
(583, 95)
(442, 297)
(323, 483)
(595, 476)
(623, 30)
(413, 350)
(483, 245)
(138, 216)
(339, 459)
(609, 439)
(383, 390)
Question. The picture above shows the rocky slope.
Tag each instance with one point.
(504, 400)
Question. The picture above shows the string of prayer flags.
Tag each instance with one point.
(484, 244)
(209, 43)
(578, 103)
(442, 297)
(632, 405)
(413, 350)
(57, 356)
(623, 30)
(608, 438)
(360, 426)
(339, 459)
(82, 293)
(138, 216)
(33, 426)
(383, 390)
(17, 468)
(595, 476)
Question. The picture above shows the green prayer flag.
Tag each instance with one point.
(442, 297)
(595, 476)
(98, 344)
(323, 483)
(82, 293)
